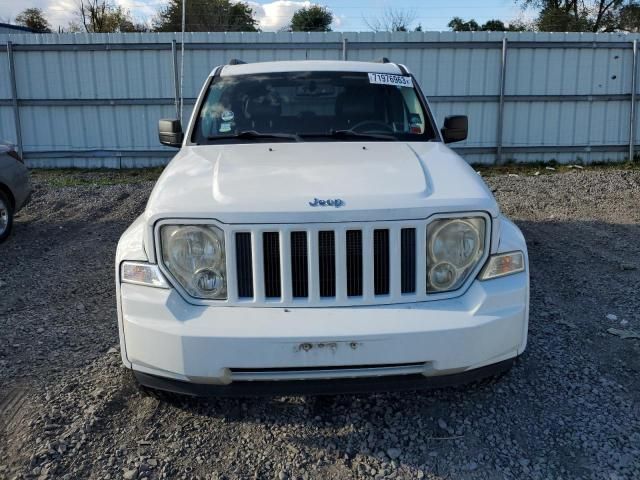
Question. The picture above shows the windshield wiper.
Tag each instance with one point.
(351, 133)
(252, 134)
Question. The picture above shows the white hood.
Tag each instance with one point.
(275, 183)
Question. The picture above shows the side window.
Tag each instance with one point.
(416, 118)
(211, 113)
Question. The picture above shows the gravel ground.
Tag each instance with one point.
(570, 408)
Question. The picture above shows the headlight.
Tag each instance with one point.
(454, 249)
(195, 256)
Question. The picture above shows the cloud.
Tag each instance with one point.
(60, 12)
(275, 16)
(271, 16)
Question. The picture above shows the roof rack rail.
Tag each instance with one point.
(382, 60)
(235, 61)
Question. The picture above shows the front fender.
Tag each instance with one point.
(130, 247)
(512, 239)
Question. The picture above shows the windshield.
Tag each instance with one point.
(312, 106)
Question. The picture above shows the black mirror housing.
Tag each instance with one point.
(455, 129)
(170, 132)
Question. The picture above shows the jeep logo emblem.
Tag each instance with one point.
(331, 202)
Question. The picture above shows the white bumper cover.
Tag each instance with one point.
(164, 335)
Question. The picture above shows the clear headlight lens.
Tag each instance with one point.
(195, 256)
(454, 249)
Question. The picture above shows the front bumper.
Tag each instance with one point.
(323, 387)
(172, 345)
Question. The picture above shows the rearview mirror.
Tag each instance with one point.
(170, 132)
(455, 129)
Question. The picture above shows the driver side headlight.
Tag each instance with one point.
(455, 246)
(195, 257)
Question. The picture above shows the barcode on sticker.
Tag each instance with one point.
(387, 79)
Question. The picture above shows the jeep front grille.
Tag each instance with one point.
(354, 263)
(243, 265)
(299, 265)
(408, 259)
(326, 264)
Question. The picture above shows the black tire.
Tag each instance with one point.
(6, 217)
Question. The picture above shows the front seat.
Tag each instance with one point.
(263, 114)
(356, 105)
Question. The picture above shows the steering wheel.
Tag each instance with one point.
(384, 126)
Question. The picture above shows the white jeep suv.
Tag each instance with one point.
(315, 234)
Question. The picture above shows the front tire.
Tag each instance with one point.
(6, 217)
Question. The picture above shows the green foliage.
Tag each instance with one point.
(33, 18)
(99, 16)
(206, 16)
(629, 18)
(566, 16)
(457, 24)
(585, 15)
(312, 19)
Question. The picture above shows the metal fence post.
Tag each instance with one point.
(14, 98)
(632, 110)
(176, 85)
(344, 49)
(500, 126)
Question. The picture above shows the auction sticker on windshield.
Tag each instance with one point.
(387, 79)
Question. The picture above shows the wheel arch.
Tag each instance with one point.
(7, 191)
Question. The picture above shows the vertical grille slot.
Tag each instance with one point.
(354, 263)
(271, 256)
(327, 263)
(299, 265)
(381, 262)
(244, 260)
(408, 260)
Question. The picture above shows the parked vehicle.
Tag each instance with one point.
(315, 234)
(15, 188)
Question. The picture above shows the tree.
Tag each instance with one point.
(394, 20)
(457, 24)
(312, 19)
(33, 18)
(584, 15)
(494, 26)
(99, 16)
(630, 18)
(206, 16)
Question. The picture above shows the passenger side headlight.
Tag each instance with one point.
(195, 256)
(455, 246)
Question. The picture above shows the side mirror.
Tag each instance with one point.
(170, 133)
(455, 129)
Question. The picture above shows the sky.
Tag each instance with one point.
(349, 15)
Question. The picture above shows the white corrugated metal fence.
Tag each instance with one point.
(94, 99)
